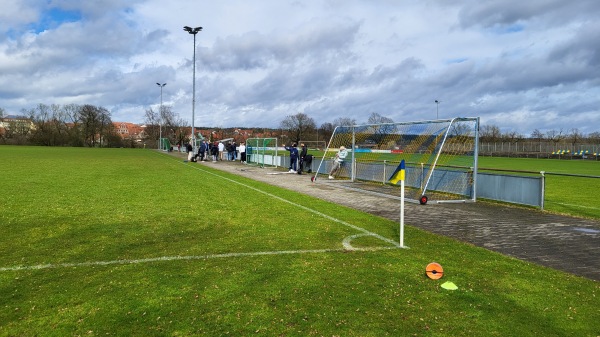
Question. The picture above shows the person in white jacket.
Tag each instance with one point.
(221, 149)
(338, 161)
(242, 150)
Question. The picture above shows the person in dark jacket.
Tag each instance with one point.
(202, 150)
(293, 157)
(190, 151)
(215, 151)
(303, 153)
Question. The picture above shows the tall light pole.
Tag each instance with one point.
(160, 114)
(193, 31)
(437, 109)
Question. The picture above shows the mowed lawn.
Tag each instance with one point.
(124, 242)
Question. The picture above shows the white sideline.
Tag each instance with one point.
(346, 242)
(308, 209)
(571, 205)
(193, 257)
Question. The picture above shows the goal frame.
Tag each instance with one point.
(424, 172)
(258, 153)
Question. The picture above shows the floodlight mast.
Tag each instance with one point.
(160, 114)
(193, 31)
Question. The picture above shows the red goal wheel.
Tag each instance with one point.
(423, 200)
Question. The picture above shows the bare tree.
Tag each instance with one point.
(575, 137)
(344, 121)
(594, 137)
(554, 136)
(490, 133)
(73, 124)
(326, 131)
(153, 123)
(380, 129)
(376, 118)
(298, 125)
(513, 137)
(539, 136)
(96, 124)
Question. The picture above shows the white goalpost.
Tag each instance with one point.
(440, 156)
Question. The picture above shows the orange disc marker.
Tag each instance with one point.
(434, 271)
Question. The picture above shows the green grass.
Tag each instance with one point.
(64, 207)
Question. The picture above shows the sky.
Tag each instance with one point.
(518, 65)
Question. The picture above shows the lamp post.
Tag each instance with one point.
(437, 109)
(160, 115)
(193, 31)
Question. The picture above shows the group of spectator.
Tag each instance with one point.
(298, 160)
(217, 151)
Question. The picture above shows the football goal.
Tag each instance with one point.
(262, 151)
(440, 157)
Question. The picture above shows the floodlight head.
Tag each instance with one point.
(437, 101)
(157, 83)
(192, 30)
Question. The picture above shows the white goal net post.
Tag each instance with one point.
(262, 151)
(440, 157)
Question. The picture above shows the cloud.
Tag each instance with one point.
(521, 65)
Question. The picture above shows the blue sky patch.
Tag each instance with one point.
(55, 17)
(456, 60)
(508, 29)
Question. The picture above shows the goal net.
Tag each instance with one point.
(440, 157)
(262, 151)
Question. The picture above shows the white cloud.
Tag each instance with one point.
(520, 65)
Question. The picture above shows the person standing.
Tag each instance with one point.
(229, 149)
(293, 157)
(221, 150)
(202, 150)
(190, 151)
(338, 161)
(214, 151)
(243, 152)
(303, 153)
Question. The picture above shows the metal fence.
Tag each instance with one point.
(518, 187)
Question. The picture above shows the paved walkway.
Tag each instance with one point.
(561, 242)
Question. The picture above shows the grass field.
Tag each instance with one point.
(123, 242)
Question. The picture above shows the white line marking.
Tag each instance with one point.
(179, 258)
(345, 243)
(560, 203)
(307, 209)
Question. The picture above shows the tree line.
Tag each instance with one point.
(63, 125)
(87, 125)
(92, 126)
(492, 134)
